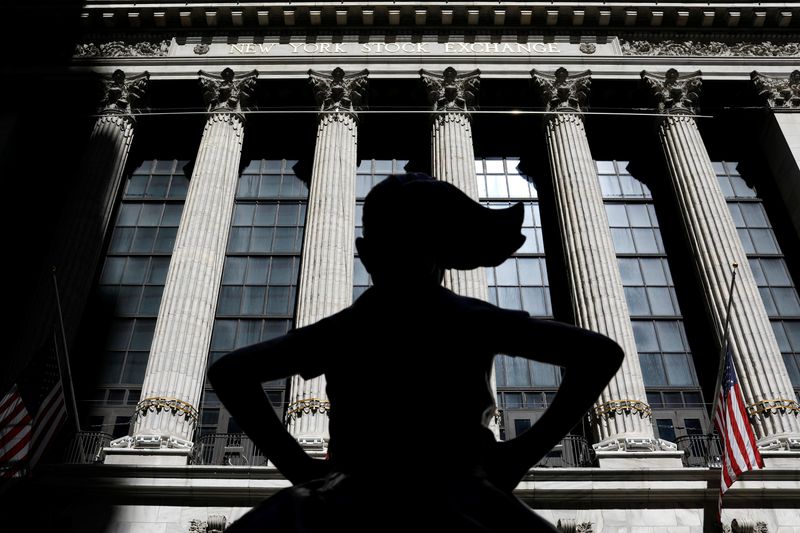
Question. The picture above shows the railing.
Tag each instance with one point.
(87, 448)
(572, 451)
(700, 450)
(236, 449)
(227, 449)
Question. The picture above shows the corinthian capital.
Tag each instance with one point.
(228, 92)
(122, 94)
(338, 91)
(562, 92)
(780, 93)
(451, 92)
(674, 93)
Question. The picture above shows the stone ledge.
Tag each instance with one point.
(559, 488)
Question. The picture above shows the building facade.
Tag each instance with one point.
(219, 195)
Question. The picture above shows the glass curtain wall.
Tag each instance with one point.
(131, 283)
(767, 263)
(670, 380)
(524, 388)
(259, 279)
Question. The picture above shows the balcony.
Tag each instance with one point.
(86, 448)
(700, 450)
(227, 449)
(236, 449)
(572, 452)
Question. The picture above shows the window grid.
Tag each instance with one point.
(136, 267)
(767, 263)
(661, 342)
(257, 294)
(520, 283)
(131, 284)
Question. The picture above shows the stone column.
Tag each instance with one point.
(326, 275)
(453, 160)
(452, 155)
(622, 416)
(83, 226)
(780, 139)
(166, 416)
(715, 245)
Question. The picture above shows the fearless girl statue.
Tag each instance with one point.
(407, 369)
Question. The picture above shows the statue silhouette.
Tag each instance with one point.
(407, 369)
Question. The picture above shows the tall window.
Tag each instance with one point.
(767, 263)
(132, 281)
(259, 280)
(525, 388)
(666, 360)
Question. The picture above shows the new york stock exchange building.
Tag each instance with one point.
(217, 192)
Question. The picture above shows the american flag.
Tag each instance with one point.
(740, 452)
(31, 413)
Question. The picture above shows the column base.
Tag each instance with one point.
(638, 453)
(149, 457)
(315, 446)
(639, 460)
(149, 449)
(779, 442)
(781, 459)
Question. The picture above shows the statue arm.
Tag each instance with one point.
(237, 379)
(590, 361)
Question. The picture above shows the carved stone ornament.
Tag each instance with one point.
(122, 94)
(338, 91)
(569, 525)
(201, 49)
(587, 48)
(711, 48)
(613, 407)
(228, 92)
(122, 49)
(307, 406)
(780, 93)
(674, 94)
(747, 526)
(175, 406)
(214, 524)
(562, 92)
(451, 92)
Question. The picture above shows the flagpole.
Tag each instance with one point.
(725, 337)
(68, 377)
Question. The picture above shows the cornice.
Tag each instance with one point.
(554, 487)
(563, 15)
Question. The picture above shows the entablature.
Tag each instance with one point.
(551, 15)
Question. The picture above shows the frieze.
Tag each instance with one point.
(711, 48)
(123, 49)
